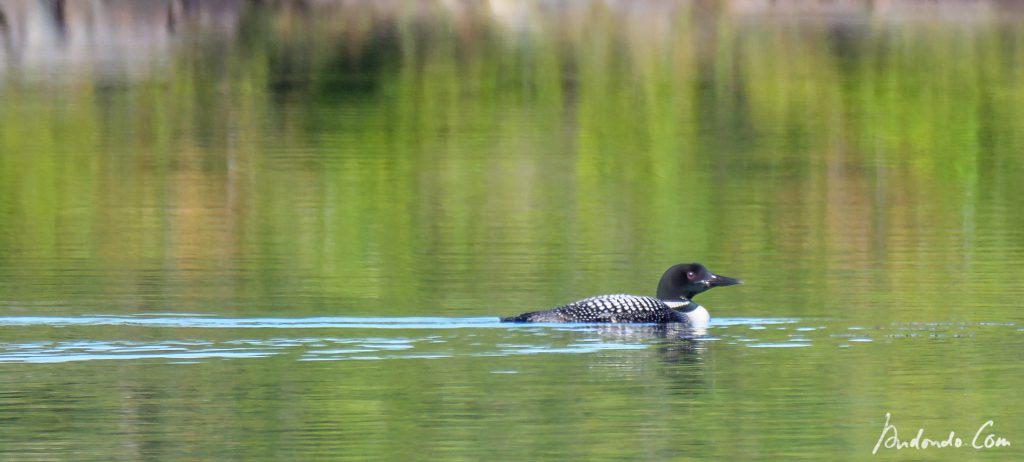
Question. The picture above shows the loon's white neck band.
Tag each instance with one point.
(680, 305)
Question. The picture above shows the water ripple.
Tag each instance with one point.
(327, 322)
(90, 338)
(205, 322)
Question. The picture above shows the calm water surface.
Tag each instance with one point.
(241, 231)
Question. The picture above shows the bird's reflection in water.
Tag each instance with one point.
(681, 354)
(676, 343)
(644, 332)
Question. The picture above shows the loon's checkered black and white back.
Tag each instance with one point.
(605, 308)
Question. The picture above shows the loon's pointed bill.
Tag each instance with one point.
(677, 286)
(721, 281)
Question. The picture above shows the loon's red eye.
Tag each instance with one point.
(689, 275)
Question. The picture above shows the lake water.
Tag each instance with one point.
(286, 230)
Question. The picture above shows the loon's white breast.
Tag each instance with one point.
(697, 315)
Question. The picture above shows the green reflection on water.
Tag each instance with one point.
(861, 167)
(319, 165)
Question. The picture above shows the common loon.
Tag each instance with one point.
(677, 287)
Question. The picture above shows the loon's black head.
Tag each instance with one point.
(685, 280)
